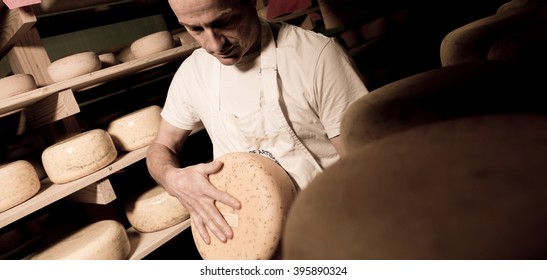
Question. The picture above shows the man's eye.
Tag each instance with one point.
(194, 28)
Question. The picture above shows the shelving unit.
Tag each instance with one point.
(52, 102)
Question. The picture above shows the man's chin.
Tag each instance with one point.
(229, 60)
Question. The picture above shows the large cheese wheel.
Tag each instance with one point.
(74, 65)
(16, 84)
(471, 188)
(135, 130)
(152, 43)
(265, 192)
(78, 156)
(471, 41)
(103, 240)
(18, 183)
(466, 89)
(154, 210)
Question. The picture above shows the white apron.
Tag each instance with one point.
(265, 131)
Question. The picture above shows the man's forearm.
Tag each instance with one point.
(159, 159)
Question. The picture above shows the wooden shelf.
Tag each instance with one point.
(50, 193)
(19, 102)
(143, 244)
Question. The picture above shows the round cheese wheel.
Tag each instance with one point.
(470, 188)
(19, 182)
(441, 94)
(265, 191)
(135, 130)
(78, 156)
(125, 54)
(73, 66)
(154, 210)
(108, 59)
(153, 43)
(16, 84)
(103, 240)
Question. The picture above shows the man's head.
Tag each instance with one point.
(227, 29)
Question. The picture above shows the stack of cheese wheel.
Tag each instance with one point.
(154, 210)
(18, 182)
(440, 94)
(103, 240)
(78, 156)
(74, 65)
(16, 84)
(469, 188)
(135, 130)
(265, 192)
(152, 43)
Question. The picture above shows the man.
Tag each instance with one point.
(255, 86)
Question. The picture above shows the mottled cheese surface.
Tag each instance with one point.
(78, 156)
(18, 183)
(266, 192)
(154, 210)
(103, 240)
(135, 130)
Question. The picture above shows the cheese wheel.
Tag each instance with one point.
(437, 95)
(18, 183)
(152, 43)
(73, 66)
(469, 188)
(78, 156)
(154, 210)
(108, 59)
(471, 41)
(125, 54)
(265, 191)
(135, 130)
(103, 240)
(16, 84)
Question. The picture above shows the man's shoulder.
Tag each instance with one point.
(288, 34)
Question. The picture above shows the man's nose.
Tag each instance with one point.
(214, 40)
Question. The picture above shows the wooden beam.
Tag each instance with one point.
(100, 192)
(48, 110)
(13, 25)
(29, 56)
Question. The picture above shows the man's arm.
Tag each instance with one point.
(190, 184)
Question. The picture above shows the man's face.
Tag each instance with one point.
(227, 29)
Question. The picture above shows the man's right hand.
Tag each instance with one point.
(192, 187)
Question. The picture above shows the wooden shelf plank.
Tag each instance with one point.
(143, 244)
(101, 192)
(50, 193)
(20, 101)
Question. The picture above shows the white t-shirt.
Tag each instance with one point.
(317, 78)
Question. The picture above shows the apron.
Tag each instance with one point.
(265, 131)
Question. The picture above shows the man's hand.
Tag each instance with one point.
(192, 187)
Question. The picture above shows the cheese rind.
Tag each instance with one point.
(152, 43)
(78, 156)
(103, 240)
(265, 191)
(18, 183)
(154, 210)
(135, 130)
(16, 84)
(72, 66)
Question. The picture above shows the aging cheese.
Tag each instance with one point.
(265, 192)
(16, 84)
(153, 43)
(78, 156)
(103, 240)
(154, 210)
(18, 183)
(72, 66)
(135, 130)
(468, 188)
